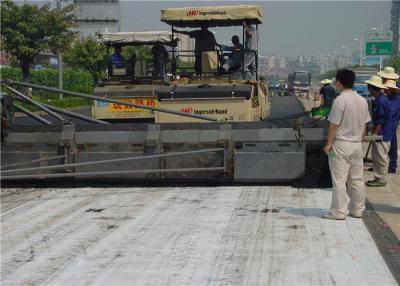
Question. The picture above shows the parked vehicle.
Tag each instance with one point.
(363, 74)
(299, 82)
(274, 85)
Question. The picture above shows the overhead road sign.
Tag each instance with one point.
(379, 43)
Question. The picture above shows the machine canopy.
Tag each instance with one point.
(213, 16)
(136, 38)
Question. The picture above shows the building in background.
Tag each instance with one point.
(318, 63)
(325, 62)
(45, 59)
(185, 47)
(272, 65)
(94, 16)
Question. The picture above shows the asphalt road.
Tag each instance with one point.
(284, 105)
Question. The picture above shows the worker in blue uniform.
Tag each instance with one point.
(327, 92)
(393, 94)
(116, 59)
(382, 119)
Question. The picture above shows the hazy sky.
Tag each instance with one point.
(289, 28)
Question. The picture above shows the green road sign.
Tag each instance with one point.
(379, 43)
(379, 49)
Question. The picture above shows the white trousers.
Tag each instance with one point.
(249, 64)
(380, 158)
(346, 165)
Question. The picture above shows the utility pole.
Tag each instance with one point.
(380, 57)
(59, 55)
(360, 39)
(361, 51)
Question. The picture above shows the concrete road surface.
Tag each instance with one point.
(183, 236)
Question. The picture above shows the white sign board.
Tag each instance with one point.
(380, 36)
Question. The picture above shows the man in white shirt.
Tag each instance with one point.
(347, 119)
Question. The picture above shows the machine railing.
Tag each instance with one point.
(174, 51)
(175, 68)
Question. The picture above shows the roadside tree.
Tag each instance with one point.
(86, 53)
(395, 62)
(28, 29)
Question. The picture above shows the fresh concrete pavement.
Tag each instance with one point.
(227, 235)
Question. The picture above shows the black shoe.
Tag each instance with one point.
(392, 171)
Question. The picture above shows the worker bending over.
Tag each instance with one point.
(327, 92)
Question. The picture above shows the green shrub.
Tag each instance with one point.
(8, 73)
(73, 80)
(66, 102)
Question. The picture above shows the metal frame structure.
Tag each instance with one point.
(211, 150)
(174, 66)
(214, 16)
(92, 97)
(215, 151)
(21, 173)
(134, 42)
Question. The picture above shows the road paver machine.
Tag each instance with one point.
(131, 79)
(208, 126)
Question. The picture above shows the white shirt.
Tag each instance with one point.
(251, 41)
(350, 112)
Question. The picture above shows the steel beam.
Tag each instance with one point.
(46, 168)
(33, 161)
(75, 115)
(31, 101)
(32, 114)
(93, 97)
(95, 174)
